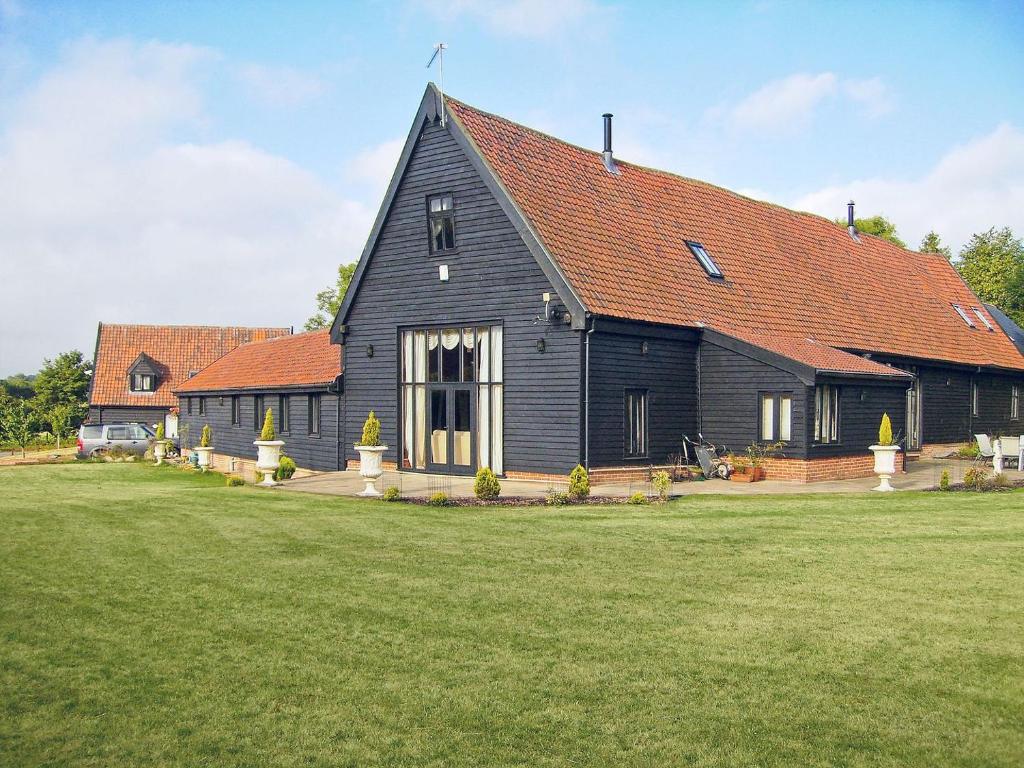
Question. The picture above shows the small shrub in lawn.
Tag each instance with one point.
(285, 468)
(662, 482)
(579, 483)
(233, 481)
(392, 494)
(976, 478)
(558, 499)
(637, 498)
(1001, 481)
(944, 480)
(439, 499)
(486, 485)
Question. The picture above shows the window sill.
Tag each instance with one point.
(443, 254)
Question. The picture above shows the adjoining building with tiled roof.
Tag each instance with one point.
(137, 367)
(296, 377)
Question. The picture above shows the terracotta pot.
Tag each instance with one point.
(745, 476)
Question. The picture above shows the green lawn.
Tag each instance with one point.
(151, 617)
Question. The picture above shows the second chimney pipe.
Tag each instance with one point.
(850, 226)
(609, 159)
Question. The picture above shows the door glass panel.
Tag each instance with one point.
(451, 357)
(408, 430)
(467, 354)
(420, 357)
(117, 433)
(439, 426)
(496, 430)
(433, 357)
(461, 431)
(483, 426)
(421, 427)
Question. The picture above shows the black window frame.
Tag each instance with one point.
(257, 413)
(202, 405)
(776, 396)
(142, 377)
(284, 414)
(636, 446)
(188, 405)
(710, 266)
(236, 411)
(313, 411)
(442, 216)
(1015, 402)
(836, 411)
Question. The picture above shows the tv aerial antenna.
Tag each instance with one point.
(439, 55)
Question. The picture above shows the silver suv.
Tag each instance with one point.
(98, 439)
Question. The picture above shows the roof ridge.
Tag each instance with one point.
(210, 327)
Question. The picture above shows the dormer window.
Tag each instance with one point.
(143, 382)
(964, 316)
(441, 223)
(984, 320)
(701, 254)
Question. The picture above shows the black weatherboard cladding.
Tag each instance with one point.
(106, 414)
(493, 278)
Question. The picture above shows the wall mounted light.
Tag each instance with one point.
(369, 350)
(442, 272)
(643, 347)
(863, 395)
(220, 400)
(541, 345)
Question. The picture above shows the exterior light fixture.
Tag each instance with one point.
(643, 348)
(220, 400)
(541, 345)
(442, 272)
(369, 350)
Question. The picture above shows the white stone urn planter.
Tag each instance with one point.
(885, 465)
(205, 457)
(268, 458)
(371, 467)
(159, 450)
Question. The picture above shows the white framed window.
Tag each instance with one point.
(826, 413)
(975, 399)
(1015, 401)
(143, 382)
(776, 417)
(636, 423)
(702, 255)
(964, 316)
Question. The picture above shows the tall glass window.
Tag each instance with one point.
(826, 413)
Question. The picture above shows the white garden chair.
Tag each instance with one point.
(985, 446)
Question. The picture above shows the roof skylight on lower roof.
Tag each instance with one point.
(984, 320)
(700, 252)
(964, 316)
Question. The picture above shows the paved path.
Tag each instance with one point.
(922, 475)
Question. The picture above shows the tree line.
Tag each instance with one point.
(53, 401)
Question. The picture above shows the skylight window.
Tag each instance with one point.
(704, 258)
(984, 320)
(964, 316)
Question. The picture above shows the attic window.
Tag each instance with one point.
(704, 258)
(441, 219)
(143, 382)
(964, 316)
(984, 320)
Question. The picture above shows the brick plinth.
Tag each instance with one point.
(825, 468)
(387, 466)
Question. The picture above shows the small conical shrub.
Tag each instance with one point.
(486, 485)
(160, 432)
(267, 433)
(885, 431)
(371, 430)
(579, 483)
(206, 440)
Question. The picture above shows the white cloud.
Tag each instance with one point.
(972, 187)
(280, 86)
(520, 18)
(104, 215)
(788, 104)
(374, 166)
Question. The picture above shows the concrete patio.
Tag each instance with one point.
(921, 475)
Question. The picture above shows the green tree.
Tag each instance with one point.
(329, 299)
(17, 422)
(64, 381)
(992, 264)
(932, 243)
(19, 385)
(878, 226)
(61, 418)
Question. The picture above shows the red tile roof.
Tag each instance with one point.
(176, 349)
(819, 356)
(619, 240)
(304, 359)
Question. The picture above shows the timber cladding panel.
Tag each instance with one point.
(106, 414)
(667, 371)
(308, 451)
(493, 278)
(861, 406)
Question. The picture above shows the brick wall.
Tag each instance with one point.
(826, 468)
(387, 466)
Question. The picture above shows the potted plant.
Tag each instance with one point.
(205, 450)
(885, 455)
(268, 450)
(159, 445)
(370, 455)
(742, 471)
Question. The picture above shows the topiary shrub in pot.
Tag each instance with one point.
(885, 455)
(371, 454)
(160, 445)
(579, 483)
(486, 485)
(268, 449)
(205, 448)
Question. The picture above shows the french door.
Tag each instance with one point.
(452, 397)
(914, 413)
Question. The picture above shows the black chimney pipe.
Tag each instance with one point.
(609, 159)
(849, 214)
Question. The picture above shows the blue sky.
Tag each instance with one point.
(144, 146)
